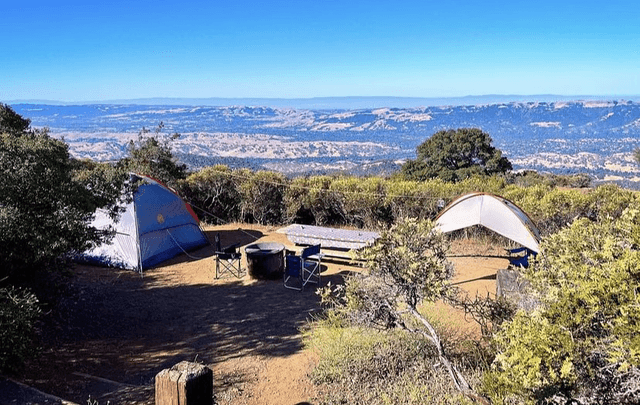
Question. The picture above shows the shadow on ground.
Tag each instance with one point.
(124, 328)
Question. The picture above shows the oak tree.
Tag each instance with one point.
(455, 155)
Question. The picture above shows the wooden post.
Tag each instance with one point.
(185, 383)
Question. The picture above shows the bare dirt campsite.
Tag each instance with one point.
(119, 329)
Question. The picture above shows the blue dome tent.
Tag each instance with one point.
(156, 225)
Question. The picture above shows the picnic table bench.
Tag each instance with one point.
(338, 240)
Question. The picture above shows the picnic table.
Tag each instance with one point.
(329, 238)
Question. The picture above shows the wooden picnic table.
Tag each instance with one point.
(329, 238)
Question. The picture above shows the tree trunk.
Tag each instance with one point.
(458, 379)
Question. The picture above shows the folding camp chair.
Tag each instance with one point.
(303, 269)
(311, 264)
(293, 272)
(521, 261)
(227, 259)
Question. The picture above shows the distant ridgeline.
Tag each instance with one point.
(595, 137)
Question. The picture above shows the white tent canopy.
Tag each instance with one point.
(493, 212)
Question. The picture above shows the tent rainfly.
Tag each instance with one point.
(493, 212)
(155, 226)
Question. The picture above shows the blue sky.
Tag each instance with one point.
(100, 50)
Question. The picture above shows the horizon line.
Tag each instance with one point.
(335, 101)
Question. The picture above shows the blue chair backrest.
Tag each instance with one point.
(310, 251)
(294, 265)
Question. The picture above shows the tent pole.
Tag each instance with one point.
(137, 239)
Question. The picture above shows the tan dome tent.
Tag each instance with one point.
(493, 212)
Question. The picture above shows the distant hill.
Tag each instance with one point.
(347, 103)
(595, 137)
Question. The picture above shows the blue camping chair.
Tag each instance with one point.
(304, 269)
(311, 264)
(293, 272)
(521, 261)
(227, 259)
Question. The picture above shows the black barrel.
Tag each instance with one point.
(265, 260)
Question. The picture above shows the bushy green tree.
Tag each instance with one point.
(407, 266)
(47, 201)
(582, 345)
(45, 207)
(19, 311)
(216, 191)
(151, 156)
(455, 155)
(11, 122)
(262, 196)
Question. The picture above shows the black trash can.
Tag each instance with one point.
(265, 260)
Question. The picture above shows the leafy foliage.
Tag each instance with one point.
(455, 155)
(19, 311)
(376, 202)
(582, 345)
(359, 365)
(216, 191)
(152, 156)
(411, 259)
(262, 196)
(11, 122)
(310, 200)
(407, 266)
(362, 201)
(47, 201)
(530, 178)
(106, 183)
(40, 192)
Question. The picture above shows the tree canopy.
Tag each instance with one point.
(407, 267)
(456, 155)
(152, 156)
(582, 345)
(11, 122)
(46, 203)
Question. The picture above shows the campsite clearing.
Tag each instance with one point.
(118, 330)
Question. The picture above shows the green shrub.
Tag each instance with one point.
(528, 178)
(582, 344)
(315, 197)
(552, 209)
(367, 366)
(214, 190)
(19, 311)
(43, 189)
(262, 196)
(375, 203)
(406, 199)
(362, 201)
(610, 200)
(486, 184)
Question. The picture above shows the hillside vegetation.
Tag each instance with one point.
(225, 195)
(377, 341)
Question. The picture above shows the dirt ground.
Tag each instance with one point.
(121, 329)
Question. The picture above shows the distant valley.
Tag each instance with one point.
(593, 137)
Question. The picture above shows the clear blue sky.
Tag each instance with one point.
(113, 49)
